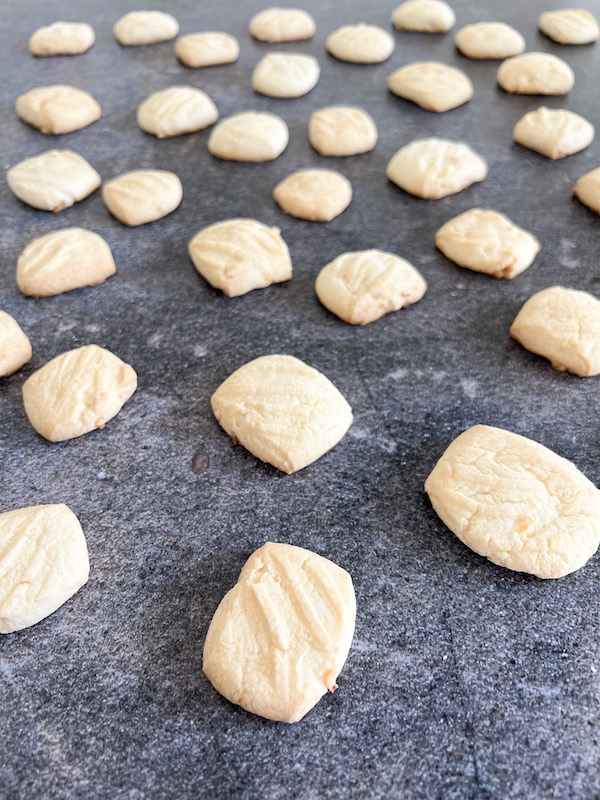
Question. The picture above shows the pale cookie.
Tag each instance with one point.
(360, 44)
(145, 195)
(536, 73)
(361, 287)
(317, 195)
(515, 502)
(587, 190)
(43, 562)
(58, 109)
(280, 637)
(282, 25)
(553, 132)
(62, 39)
(209, 49)
(177, 110)
(424, 16)
(342, 131)
(15, 347)
(563, 325)
(433, 86)
(285, 75)
(145, 27)
(570, 26)
(434, 168)
(77, 392)
(64, 260)
(489, 40)
(486, 241)
(283, 411)
(54, 180)
(249, 136)
(239, 255)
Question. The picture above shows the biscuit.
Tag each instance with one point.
(587, 190)
(43, 562)
(53, 180)
(15, 347)
(208, 49)
(62, 39)
(570, 26)
(424, 16)
(342, 131)
(77, 392)
(280, 637)
(58, 109)
(433, 86)
(142, 196)
(175, 111)
(515, 502)
(317, 195)
(536, 73)
(239, 255)
(282, 25)
(283, 411)
(249, 136)
(64, 260)
(285, 75)
(360, 44)
(489, 40)
(145, 27)
(555, 133)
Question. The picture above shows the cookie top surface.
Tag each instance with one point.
(249, 136)
(318, 195)
(282, 25)
(53, 180)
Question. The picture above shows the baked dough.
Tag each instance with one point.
(553, 132)
(424, 16)
(62, 39)
(536, 73)
(208, 49)
(15, 347)
(145, 195)
(587, 190)
(434, 168)
(342, 131)
(53, 180)
(64, 260)
(145, 27)
(283, 411)
(249, 136)
(489, 40)
(361, 287)
(317, 195)
(77, 392)
(515, 502)
(360, 44)
(43, 562)
(239, 255)
(433, 86)
(177, 110)
(570, 26)
(563, 325)
(280, 637)
(285, 75)
(58, 109)
(282, 25)
(486, 241)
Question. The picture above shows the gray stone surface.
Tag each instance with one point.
(464, 680)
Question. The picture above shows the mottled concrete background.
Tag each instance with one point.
(464, 680)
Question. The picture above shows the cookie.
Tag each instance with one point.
(280, 637)
(317, 195)
(53, 180)
(282, 25)
(283, 411)
(15, 347)
(424, 16)
(175, 111)
(285, 75)
(587, 190)
(360, 44)
(562, 325)
(434, 168)
(433, 86)
(570, 26)
(62, 39)
(249, 136)
(58, 109)
(239, 255)
(142, 196)
(145, 27)
(515, 502)
(489, 40)
(342, 131)
(361, 287)
(553, 132)
(536, 73)
(64, 260)
(43, 562)
(208, 49)
(77, 392)
(486, 241)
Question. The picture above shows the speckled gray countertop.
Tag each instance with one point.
(464, 680)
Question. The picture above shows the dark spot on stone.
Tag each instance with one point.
(200, 462)
(142, 574)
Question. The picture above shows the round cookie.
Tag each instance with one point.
(53, 180)
(587, 190)
(489, 40)
(58, 109)
(361, 287)
(554, 132)
(249, 136)
(431, 85)
(434, 168)
(145, 27)
(570, 26)
(142, 196)
(342, 131)
(360, 44)
(208, 49)
(285, 75)
(318, 195)
(424, 16)
(15, 347)
(536, 73)
(175, 111)
(282, 25)
(62, 39)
